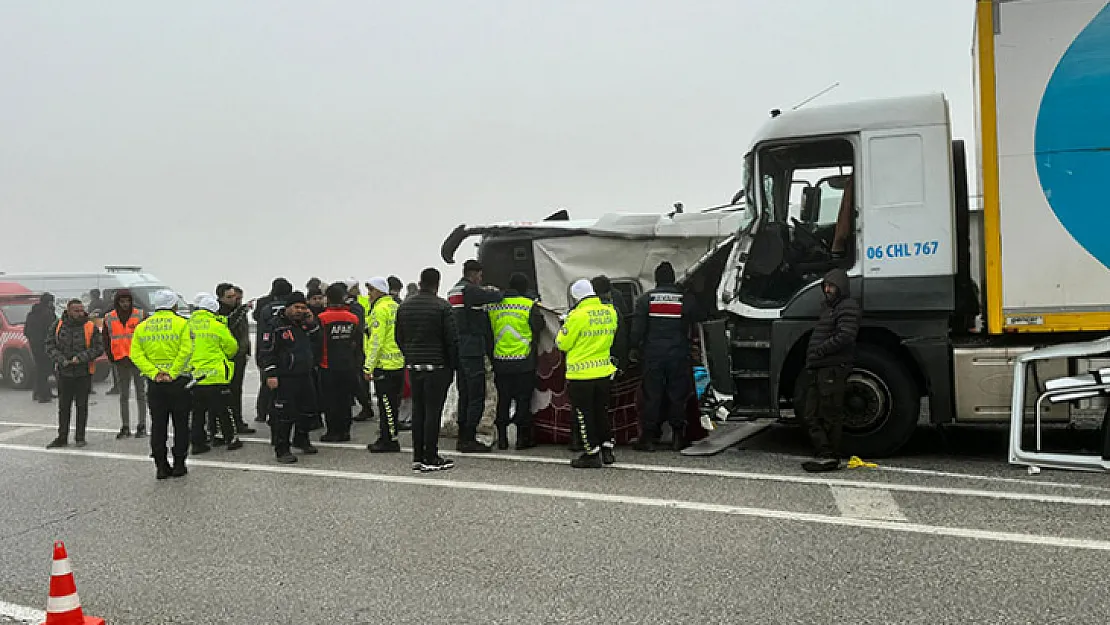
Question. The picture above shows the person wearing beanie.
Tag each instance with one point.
(119, 328)
(211, 368)
(73, 344)
(468, 302)
(339, 364)
(287, 363)
(268, 311)
(516, 323)
(161, 349)
(233, 310)
(587, 341)
(662, 324)
(39, 323)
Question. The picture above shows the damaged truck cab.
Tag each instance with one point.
(870, 188)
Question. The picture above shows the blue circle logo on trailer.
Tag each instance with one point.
(1073, 139)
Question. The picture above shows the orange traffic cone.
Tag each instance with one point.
(63, 607)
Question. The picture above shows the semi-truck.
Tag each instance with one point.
(951, 296)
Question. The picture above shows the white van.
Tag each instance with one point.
(67, 286)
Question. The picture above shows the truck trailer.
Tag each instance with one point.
(950, 297)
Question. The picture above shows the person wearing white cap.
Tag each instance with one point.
(212, 369)
(384, 364)
(587, 340)
(161, 348)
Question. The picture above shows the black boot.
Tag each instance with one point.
(607, 455)
(587, 461)
(472, 447)
(162, 470)
(179, 469)
(679, 442)
(821, 465)
(503, 437)
(525, 437)
(384, 446)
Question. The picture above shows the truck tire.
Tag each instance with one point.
(881, 404)
(18, 371)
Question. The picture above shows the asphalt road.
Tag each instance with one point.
(949, 533)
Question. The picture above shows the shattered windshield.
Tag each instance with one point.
(749, 189)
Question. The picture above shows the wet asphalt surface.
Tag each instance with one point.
(946, 533)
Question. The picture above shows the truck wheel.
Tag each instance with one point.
(881, 403)
(17, 371)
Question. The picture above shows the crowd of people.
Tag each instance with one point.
(320, 351)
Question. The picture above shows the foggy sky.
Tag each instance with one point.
(218, 140)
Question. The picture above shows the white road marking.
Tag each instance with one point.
(1001, 495)
(609, 498)
(22, 613)
(10, 434)
(862, 503)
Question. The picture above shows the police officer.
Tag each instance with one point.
(161, 348)
(516, 323)
(384, 364)
(468, 301)
(212, 369)
(286, 355)
(587, 340)
(340, 363)
(661, 329)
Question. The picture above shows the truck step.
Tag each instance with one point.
(751, 374)
(752, 344)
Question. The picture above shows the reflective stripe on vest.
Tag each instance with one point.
(455, 296)
(512, 333)
(122, 333)
(595, 325)
(666, 305)
(90, 328)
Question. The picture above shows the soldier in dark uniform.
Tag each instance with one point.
(468, 300)
(286, 355)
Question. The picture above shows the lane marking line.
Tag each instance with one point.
(22, 613)
(632, 500)
(10, 434)
(1097, 502)
(861, 503)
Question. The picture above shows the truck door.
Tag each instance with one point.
(908, 219)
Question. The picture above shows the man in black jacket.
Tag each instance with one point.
(664, 318)
(39, 322)
(268, 310)
(829, 357)
(468, 300)
(232, 308)
(73, 344)
(286, 357)
(428, 339)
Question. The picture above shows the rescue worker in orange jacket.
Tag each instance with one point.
(119, 327)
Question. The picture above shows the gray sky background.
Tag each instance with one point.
(218, 140)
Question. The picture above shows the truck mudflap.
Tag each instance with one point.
(1059, 390)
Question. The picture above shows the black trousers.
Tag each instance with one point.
(43, 369)
(169, 401)
(824, 409)
(389, 385)
(263, 402)
(337, 390)
(666, 383)
(212, 408)
(73, 391)
(237, 390)
(472, 396)
(515, 388)
(429, 393)
(590, 400)
(292, 412)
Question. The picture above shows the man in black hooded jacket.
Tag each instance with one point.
(39, 322)
(267, 314)
(232, 308)
(829, 357)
